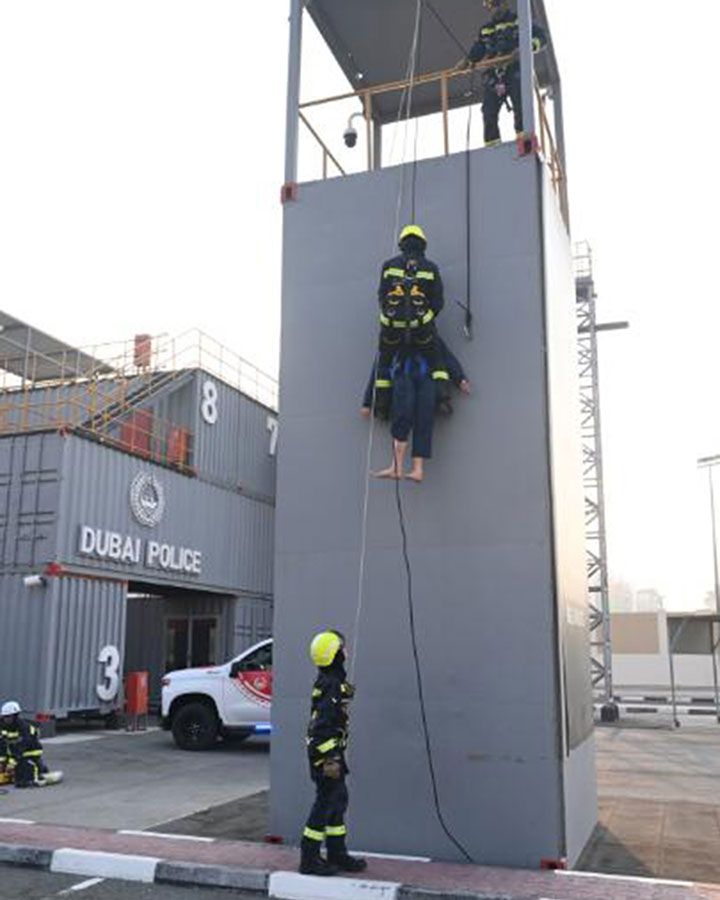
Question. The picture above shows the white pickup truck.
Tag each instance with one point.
(233, 700)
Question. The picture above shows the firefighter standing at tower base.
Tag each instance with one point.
(500, 37)
(327, 738)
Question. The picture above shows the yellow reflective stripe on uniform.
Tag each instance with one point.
(394, 273)
(383, 383)
(328, 745)
(29, 753)
(428, 317)
(440, 376)
(335, 831)
(537, 43)
(384, 320)
(428, 276)
(487, 31)
(317, 692)
(398, 324)
(314, 835)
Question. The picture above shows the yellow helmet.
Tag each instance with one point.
(412, 231)
(325, 647)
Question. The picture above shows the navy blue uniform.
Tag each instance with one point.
(410, 296)
(501, 37)
(413, 405)
(409, 365)
(327, 738)
(20, 746)
(450, 362)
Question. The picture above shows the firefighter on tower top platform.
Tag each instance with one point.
(327, 738)
(500, 37)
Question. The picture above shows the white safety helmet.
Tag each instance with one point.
(11, 708)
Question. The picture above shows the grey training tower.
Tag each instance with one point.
(496, 532)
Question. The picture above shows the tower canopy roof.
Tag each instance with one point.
(371, 41)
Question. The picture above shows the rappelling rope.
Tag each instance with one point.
(404, 110)
(411, 72)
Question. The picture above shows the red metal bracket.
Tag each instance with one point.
(527, 144)
(551, 865)
(289, 192)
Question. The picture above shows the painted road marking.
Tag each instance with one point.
(399, 856)
(106, 865)
(73, 739)
(168, 837)
(82, 738)
(291, 886)
(82, 886)
(16, 822)
(639, 878)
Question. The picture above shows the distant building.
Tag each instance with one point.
(622, 597)
(648, 600)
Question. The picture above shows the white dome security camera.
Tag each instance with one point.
(350, 134)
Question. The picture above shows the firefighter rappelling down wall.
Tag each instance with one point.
(411, 372)
(463, 600)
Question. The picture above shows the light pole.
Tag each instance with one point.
(709, 463)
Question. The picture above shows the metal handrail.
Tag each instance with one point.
(442, 77)
(191, 349)
(554, 162)
(105, 406)
(327, 153)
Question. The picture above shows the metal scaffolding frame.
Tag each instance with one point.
(591, 432)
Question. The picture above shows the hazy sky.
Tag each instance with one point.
(140, 166)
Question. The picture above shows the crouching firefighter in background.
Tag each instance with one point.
(21, 753)
(500, 37)
(411, 367)
(327, 738)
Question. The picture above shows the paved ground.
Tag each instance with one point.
(152, 854)
(245, 819)
(659, 802)
(659, 805)
(659, 794)
(26, 884)
(137, 781)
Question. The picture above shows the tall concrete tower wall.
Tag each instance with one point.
(495, 533)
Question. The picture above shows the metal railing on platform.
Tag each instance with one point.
(547, 143)
(113, 401)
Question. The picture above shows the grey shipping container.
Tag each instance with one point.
(62, 644)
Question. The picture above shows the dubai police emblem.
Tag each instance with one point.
(147, 499)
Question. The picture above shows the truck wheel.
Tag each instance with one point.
(195, 727)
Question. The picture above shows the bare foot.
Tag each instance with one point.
(415, 476)
(390, 472)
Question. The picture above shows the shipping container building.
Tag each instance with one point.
(137, 497)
